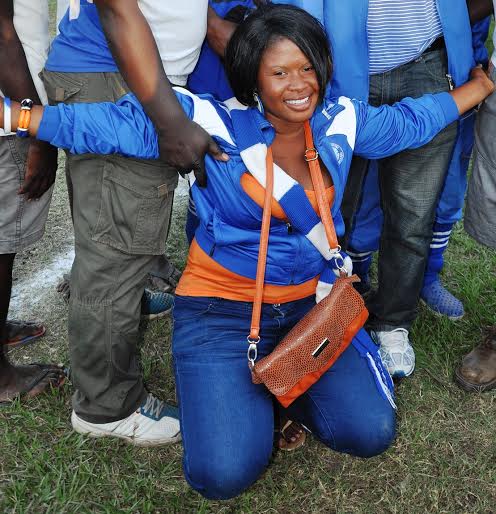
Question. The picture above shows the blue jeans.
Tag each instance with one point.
(227, 422)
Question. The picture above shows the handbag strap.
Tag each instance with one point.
(254, 337)
(312, 157)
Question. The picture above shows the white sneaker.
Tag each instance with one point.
(153, 424)
(396, 351)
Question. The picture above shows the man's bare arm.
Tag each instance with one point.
(16, 82)
(183, 143)
(479, 9)
(219, 32)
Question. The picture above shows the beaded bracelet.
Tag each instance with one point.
(7, 120)
(24, 118)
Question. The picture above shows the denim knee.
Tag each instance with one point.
(365, 436)
(373, 435)
(222, 480)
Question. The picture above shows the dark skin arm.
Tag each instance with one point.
(219, 31)
(479, 9)
(16, 83)
(183, 143)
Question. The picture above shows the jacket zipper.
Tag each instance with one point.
(451, 83)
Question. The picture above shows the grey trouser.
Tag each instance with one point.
(121, 210)
(22, 223)
(480, 213)
(410, 184)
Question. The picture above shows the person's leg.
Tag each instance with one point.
(6, 369)
(448, 213)
(21, 224)
(365, 234)
(410, 184)
(227, 422)
(121, 210)
(346, 409)
(477, 371)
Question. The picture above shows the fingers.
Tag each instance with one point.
(36, 185)
(214, 150)
(200, 173)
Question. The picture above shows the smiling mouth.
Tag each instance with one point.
(299, 101)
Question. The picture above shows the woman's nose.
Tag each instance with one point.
(297, 82)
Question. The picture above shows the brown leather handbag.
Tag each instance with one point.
(324, 333)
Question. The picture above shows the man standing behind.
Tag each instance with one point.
(477, 371)
(385, 50)
(121, 207)
(27, 172)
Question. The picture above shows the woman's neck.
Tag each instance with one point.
(286, 129)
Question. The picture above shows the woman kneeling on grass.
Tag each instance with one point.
(279, 64)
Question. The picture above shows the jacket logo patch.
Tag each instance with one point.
(338, 152)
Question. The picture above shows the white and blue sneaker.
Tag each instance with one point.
(440, 301)
(396, 351)
(154, 423)
(156, 304)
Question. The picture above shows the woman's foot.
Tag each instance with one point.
(292, 435)
(19, 333)
(29, 381)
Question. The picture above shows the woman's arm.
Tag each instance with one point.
(101, 128)
(387, 130)
(122, 127)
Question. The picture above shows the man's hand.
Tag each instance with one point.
(41, 167)
(185, 148)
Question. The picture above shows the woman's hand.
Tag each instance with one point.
(475, 91)
(478, 73)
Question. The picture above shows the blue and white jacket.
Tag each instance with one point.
(230, 220)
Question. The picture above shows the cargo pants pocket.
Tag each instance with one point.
(136, 205)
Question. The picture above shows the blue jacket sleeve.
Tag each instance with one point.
(389, 129)
(104, 128)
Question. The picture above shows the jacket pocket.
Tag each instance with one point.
(136, 205)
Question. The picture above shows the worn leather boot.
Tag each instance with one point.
(477, 371)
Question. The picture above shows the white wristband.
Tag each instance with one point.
(7, 120)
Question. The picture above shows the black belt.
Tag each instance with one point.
(437, 44)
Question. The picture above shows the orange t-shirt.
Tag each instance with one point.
(204, 276)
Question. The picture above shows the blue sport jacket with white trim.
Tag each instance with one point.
(230, 220)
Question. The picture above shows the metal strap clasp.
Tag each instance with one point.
(252, 352)
(311, 154)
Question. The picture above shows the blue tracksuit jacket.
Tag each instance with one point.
(230, 220)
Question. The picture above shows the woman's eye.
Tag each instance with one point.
(308, 68)
(278, 73)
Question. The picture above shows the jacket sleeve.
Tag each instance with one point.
(105, 128)
(389, 129)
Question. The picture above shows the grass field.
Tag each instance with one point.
(443, 460)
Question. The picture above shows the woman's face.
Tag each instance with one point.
(287, 83)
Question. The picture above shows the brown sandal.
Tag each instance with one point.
(46, 377)
(21, 333)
